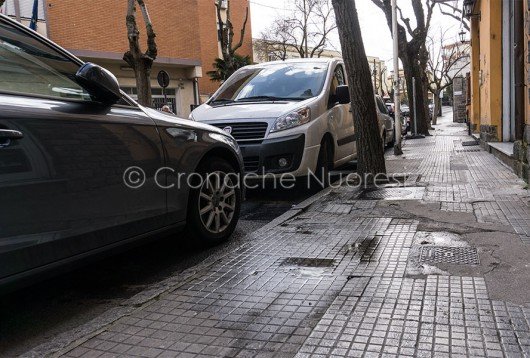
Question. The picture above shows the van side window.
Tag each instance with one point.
(381, 105)
(338, 80)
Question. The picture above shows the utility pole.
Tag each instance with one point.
(397, 101)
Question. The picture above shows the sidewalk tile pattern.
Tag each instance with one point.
(331, 281)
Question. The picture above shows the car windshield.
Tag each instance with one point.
(286, 81)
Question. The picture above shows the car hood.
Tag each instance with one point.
(206, 113)
(170, 119)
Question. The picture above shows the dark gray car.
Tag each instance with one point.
(84, 169)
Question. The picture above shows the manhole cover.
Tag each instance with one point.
(307, 262)
(449, 255)
(393, 194)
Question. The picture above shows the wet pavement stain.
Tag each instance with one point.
(366, 248)
(307, 262)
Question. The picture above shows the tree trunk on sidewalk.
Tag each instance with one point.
(436, 108)
(141, 63)
(370, 152)
(411, 71)
(413, 54)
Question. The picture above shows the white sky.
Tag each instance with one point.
(376, 35)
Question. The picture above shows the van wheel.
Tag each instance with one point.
(215, 202)
(324, 164)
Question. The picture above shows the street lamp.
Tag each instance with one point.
(462, 35)
(468, 9)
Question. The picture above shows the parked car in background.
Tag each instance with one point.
(79, 163)
(405, 110)
(288, 116)
(386, 121)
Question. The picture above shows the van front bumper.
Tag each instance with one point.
(274, 156)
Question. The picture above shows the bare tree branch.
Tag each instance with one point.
(448, 8)
(140, 62)
(242, 35)
(306, 30)
(406, 21)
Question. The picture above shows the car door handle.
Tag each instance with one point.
(8, 135)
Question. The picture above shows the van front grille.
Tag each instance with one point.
(246, 133)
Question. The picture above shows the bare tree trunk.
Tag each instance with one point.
(413, 70)
(369, 143)
(436, 108)
(228, 47)
(413, 55)
(141, 63)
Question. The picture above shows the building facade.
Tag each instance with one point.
(499, 94)
(187, 45)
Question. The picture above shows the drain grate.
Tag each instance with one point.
(467, 150)
(307, 262)
(470, 143)
(450, 255)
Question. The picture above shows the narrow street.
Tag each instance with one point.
(437, 266)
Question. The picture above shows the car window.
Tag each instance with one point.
(29, 66)
(338, 79)
(292, 81)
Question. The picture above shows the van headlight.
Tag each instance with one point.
(291, 120)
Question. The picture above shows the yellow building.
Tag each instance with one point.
(499, 99)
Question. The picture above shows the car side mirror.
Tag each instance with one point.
(343, 94)
(100, 83)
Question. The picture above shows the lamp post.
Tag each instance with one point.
(397, 101)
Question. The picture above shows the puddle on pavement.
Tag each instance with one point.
(307, 262)
(363, 249)
(309, 267)
(439, 238)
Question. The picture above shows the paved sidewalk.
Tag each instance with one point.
(437, 268)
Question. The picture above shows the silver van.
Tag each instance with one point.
(289, 116)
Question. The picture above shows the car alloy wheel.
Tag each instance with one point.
(217, 202)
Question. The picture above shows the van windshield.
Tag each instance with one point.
(285, 81)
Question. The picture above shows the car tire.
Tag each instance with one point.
(324, 161)
(214, 202)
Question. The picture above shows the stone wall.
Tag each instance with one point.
(521, 153)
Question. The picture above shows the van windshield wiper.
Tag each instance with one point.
(269, 98)
(222, 101)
